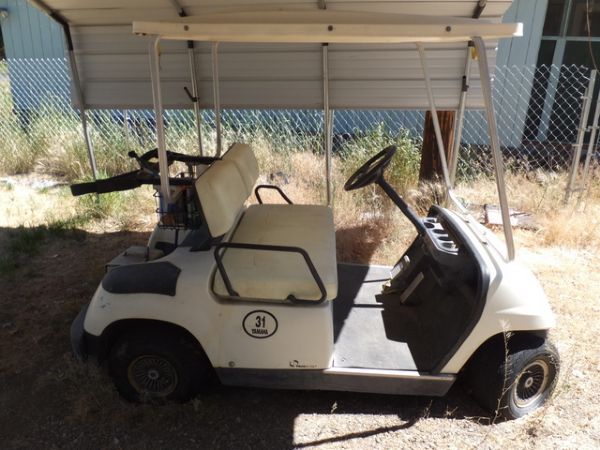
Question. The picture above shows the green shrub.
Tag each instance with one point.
(403, 172)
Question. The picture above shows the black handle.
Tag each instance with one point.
(271, 248)
(189, 94)
(270, 186)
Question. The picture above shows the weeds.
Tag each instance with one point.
(22, 243)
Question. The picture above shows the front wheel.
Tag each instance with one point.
(518, 382)
(158, 366)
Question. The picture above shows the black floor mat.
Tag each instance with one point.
(360, 331)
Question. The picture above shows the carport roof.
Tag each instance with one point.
(119, 12)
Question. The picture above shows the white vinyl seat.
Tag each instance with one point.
(261, 274)
(277, 275)
(242, 156)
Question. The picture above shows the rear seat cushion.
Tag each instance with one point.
(243, 157)
(276, 275)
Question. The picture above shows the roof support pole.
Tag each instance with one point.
(438, 131)
(486, 88)
(82, 111)
(75, 78)
(195, 99)
(461, 116)
(194, 96)
(436, 123)
(216, 95)
(160, 125)
(327, 124)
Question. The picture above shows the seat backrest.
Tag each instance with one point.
(245, 161)
(222, 194)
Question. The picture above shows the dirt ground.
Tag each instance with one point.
(48, 400)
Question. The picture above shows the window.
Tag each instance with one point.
(578, 20)
(577, 52)
(554, 15)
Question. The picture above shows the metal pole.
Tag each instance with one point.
(160, 126)
(196, 99)
(216, 94)
(461, 116)
(592, 144)
(327, 123)
(486, 88)
(434, 117)
(82, 113)
(75, 77)
(581, 135)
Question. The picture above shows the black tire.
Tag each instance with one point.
(512, 384)
(158, 366)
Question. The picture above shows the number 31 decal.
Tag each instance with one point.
(260, 324)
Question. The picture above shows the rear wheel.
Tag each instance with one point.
(512, 384)
(158, 366)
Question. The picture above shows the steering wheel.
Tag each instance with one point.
(372, 170)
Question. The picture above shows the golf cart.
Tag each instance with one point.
(254, 295)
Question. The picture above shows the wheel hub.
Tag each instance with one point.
(151, 374)
(531, 383)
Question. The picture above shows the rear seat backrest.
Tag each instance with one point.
(222, 194)
(243, 157)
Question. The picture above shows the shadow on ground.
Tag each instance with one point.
(49, 400)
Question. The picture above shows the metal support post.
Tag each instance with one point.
(585, 113)
(195, 96)
(592, 144)
(76, 80)
(434, 117)
(438, 131)
(327, 124)
(82, 112)
(461, 115)
(486, 88)
(216, 95)
(160, 126)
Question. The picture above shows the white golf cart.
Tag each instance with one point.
(254, 295)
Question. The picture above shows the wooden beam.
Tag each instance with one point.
(431, 166)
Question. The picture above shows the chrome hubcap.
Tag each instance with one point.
(531, 383)
(152, 375)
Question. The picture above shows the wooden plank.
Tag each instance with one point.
(518, 219)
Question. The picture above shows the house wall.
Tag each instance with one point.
(517, 58)
(35, 48)
(29, 33)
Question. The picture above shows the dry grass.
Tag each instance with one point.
(49, 400)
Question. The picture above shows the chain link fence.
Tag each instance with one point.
(539, 112)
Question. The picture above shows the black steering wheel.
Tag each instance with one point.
(372, 170)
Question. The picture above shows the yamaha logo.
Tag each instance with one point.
(260, 324)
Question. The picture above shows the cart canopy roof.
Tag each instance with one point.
(370, 64)
(325, 26)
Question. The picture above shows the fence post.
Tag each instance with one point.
(591, 145)
(585, 112)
